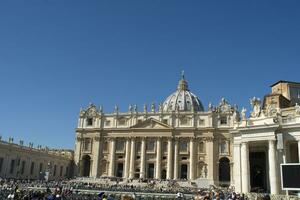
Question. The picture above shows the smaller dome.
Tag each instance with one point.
(182, 99)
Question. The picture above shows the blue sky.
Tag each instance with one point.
(57, 56)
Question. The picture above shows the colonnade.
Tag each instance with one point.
(242, 167)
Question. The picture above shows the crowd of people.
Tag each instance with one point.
(110, 190)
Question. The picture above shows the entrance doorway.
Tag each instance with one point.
(86, 165)
(151, 170)
(183, 171)
(119, 170)
(258, 177)
(224, 172)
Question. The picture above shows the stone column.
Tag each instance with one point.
(237, 167)
(158, 159)
(143, 159)
(127, 158)
(274, 189)
(132, 159)
(210, 158)
(245, 167)
(96, 157)
(170, 158)
(112, 158)
(176, 163)
(192, 159)
(77, 156)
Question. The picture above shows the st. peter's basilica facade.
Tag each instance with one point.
(181, 140)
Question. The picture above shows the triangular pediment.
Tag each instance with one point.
(151, 124)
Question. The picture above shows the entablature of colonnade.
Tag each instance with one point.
(255, 134)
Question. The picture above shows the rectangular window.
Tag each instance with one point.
(165, 147)
(32, 168)
(138, 147)
(183, 146)
(122, 122)
(87, 144)
(23, 167)
(107, 123)
(12, 166)
(223, 120)
(1, 163)
(223, 147)
(150, 145)
(201, 122)
(89, 121)
(165, 121)
(120, 145)
(184, 121)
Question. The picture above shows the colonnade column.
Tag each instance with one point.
(237, 167)
(77, 156)
(143, 159)
(245, 167)
(170, 158)
(176, 159)
(210, 157)
(127, 158)
(272, 168)
(132, 159)
(158, 159)
(112, 157)
(192, 159)
(96, 156)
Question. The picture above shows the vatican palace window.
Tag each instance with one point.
(89, 121)
(107, 123)
(223, 120)
(122, 122)
(201, 122)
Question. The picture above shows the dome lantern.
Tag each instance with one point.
(182, 99)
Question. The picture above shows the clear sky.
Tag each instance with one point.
(57, 56)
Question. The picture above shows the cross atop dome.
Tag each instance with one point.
(182, 75)
(182, 84)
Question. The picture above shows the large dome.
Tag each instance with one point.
(182, 99)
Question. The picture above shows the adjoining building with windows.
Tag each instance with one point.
(181, 140)
(18, 161)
